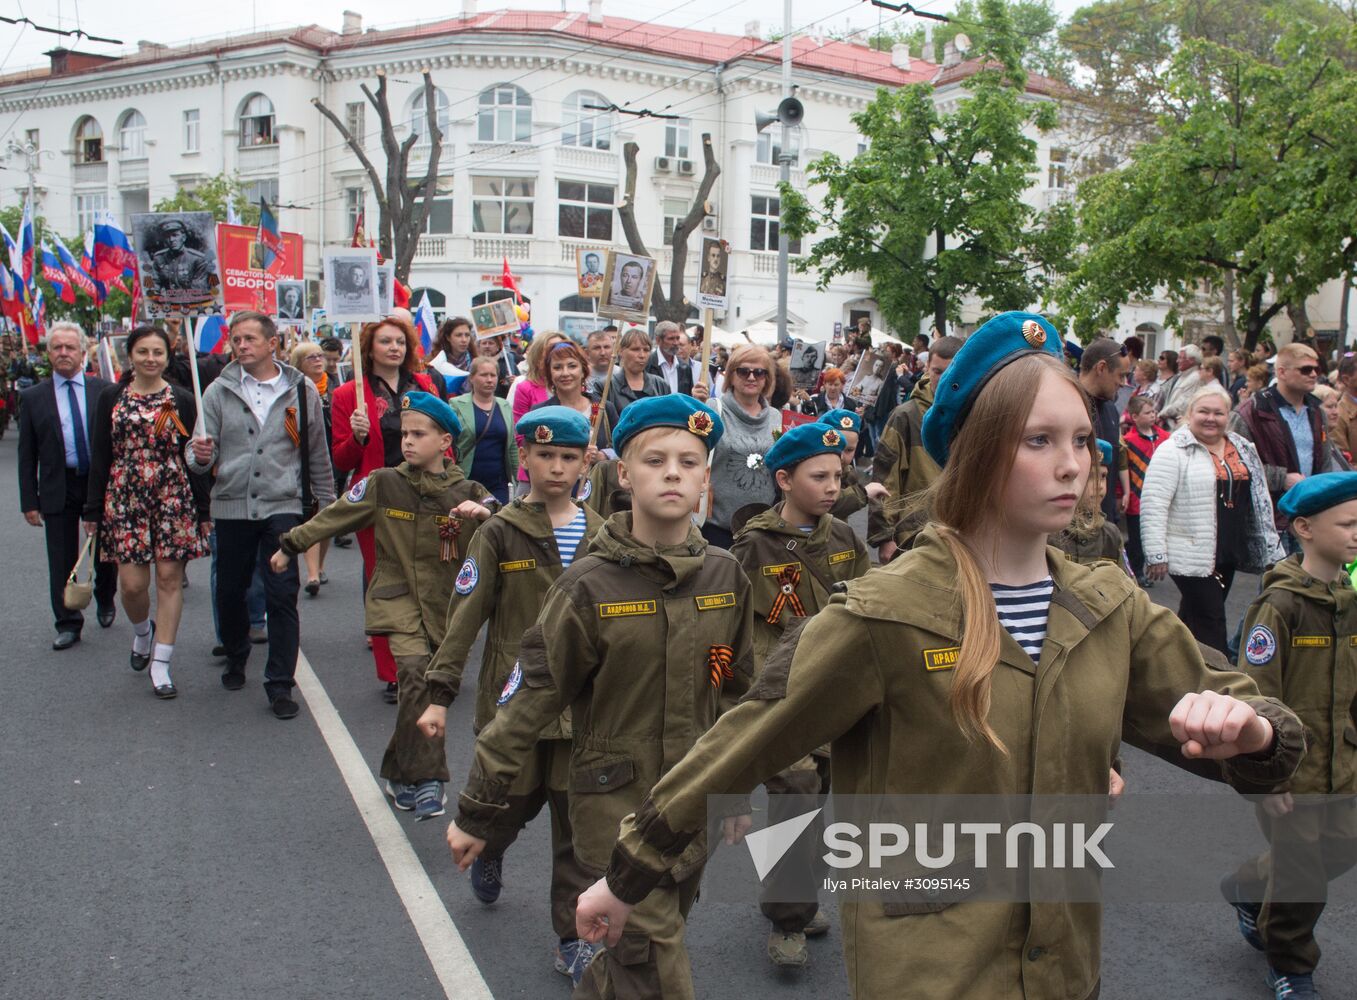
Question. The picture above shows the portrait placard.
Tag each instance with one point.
(177, 260)
(628, 287)
(589, 272)
(711, 285)
(351, 285)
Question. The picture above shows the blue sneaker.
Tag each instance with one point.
(429, 799)
(487, 878)
(402, 796)
(1292, 985)
(1246, 913)
(573, 957)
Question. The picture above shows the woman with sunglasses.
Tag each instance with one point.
(737, 478)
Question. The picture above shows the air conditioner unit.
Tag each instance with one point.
(709, 224)
(663, 164)
(685, 167)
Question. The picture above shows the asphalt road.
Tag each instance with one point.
(200, 848)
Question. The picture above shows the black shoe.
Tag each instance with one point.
(140, 662)
(313, 587)
(165, 691)
(218, 651)
(233, 679)
(390, 695)
(343, 541)
(65, 640)
(284, 707)
(106, 616)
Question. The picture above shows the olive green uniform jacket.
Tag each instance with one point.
(1102, 544)
(853, 495)
(510, 564)
(1113, 666)
(410, 584)
(901, 463)
(775, 554)
(603, 491)
(647, 647)
(1300, 647)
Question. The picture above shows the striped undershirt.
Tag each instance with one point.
(1023, 612)
(568, 538)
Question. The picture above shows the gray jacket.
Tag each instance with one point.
(258, 469)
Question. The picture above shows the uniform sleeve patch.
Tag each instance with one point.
(941, 659)
(587, 490)
(1261, 646)
(512, 685)
(710, 602)
(467, 577)
(357, 490)
(848, 555)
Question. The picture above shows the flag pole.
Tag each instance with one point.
(198, 322)
(602, 403)
(356, 356)
(705, 377)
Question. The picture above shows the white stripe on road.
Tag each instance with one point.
(447, 952)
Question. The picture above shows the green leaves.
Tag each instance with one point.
(213, 195)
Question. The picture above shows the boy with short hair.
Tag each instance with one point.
(853, 493)
(796, 555)
(1091, 538)
(1141, 439)
(647, 640)
(419, 511)
(511, 562)
(1301, 648)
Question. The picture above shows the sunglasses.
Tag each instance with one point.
(751, 373)
(1308, 369)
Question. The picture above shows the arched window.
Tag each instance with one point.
(418, 116)
(256, 122)
(505, 114)
(89, 141)
(584, 122)
(132, 135)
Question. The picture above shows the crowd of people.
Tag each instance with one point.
(620, 514)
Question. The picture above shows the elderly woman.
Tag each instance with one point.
(633, 382)
(737, 473)
(309, 359)
(1205, 513)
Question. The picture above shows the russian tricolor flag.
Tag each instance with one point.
(113, 254)
(426, 325)
(271, 239)
(211, 334)
(26, 244)
(56, 274)
(74, 272)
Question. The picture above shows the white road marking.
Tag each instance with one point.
(447, 952)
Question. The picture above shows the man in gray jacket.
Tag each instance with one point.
(265, 438)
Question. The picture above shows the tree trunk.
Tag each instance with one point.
(1344, 302)
(940, 297)
(1300, 319)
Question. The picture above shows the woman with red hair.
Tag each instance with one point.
(370, 438)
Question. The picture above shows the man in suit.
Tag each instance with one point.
(54, 455)
(667, 360)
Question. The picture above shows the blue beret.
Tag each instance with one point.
(844, 420)
(802, 442)
(433, 408)
(1318, 493)
(1002, 340)
(559, 425)
(672, 410)
(1106, 448)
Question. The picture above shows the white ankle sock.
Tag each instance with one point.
(160, 664)
(141, 640)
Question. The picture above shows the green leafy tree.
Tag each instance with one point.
(83, 311)
(1253, 179)
(932, 211)
(214, 195)
(1036, 29)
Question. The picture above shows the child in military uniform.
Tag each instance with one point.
(1090, 537)
(511, 562)
(933, 676)
(647, 640)
(1302, 649)
(796, 554)
(853, 493)
(418, 511)
(602, 491)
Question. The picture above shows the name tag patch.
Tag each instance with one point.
(775, 570)
(399, 515)
(626, 609)
(710, 602)
(941, 659)
(517, 565)
(1311, 641)
(842, 557)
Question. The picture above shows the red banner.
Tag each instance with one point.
(245, 283)
(790, 418)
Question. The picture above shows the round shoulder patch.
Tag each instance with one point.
(1261, 646)
(467, 577)
(512, 685)
(587, 490)
(357, 490)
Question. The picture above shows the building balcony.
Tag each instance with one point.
(569, 247)
(134, 173)
(765, 175)
(597, 161)
(90, 174)
(257, 159)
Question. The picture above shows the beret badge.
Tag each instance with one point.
(542, 435)
(1033, 333)
(831, 439)
(846, 423)
(699, 424)
(405, 402)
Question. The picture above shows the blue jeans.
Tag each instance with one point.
(254, 597)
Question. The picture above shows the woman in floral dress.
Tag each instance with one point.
(146, 506)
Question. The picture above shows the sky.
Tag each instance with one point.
(173, 21)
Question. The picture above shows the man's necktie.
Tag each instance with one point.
(82, 451)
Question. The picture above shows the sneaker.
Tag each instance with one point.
(1292, 985)
(573, 957)
(391, 694)
(487, 879)
(343, 541)
(233, 677)
(429, 799)
(787, 949)
(402, 796)
(819, 924)
(1246, 913)
(284, 707)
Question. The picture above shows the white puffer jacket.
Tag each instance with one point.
(1178, 508)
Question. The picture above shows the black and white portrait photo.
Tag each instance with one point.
(351, 284)
(291, 299)
(627, 287)
(177, 258)
(386, 287)
(711, 285)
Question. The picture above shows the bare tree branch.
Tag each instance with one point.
(684, 229)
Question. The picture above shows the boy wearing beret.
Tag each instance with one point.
(510, 563)
(647, 640)
(853, 493)
(422, 513)
(1301, 648)
(796, 555)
